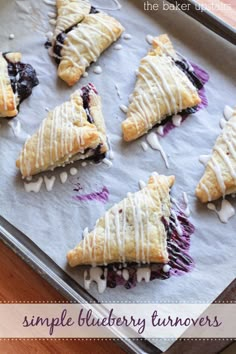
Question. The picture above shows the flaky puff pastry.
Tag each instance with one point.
(132, 230)
(8, 100)
(85, 43)
(69, 14)
(161, 90)
(66, 135)
(219, 178)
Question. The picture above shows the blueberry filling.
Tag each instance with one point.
(180, 261)
(193, 77)
(23, 78)
(97, 156)
(61, 39)
(93, 10)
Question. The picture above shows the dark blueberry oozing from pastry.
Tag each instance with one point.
(179, 259)
(23, 78)
(93, 10)
(86, 90)
(184, 66)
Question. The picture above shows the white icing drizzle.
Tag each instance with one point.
(125, 274)
(84, 164)
(149, 38)
(118, 91)
(85, 74)
(153, 141)
(160, 130)
(177, 120)
(144, 146)
(142, 184)
(73, 171)
(117, 3)
(52, 14)
(118, 47)
(186, 201)
(52, 22)
(49, 36)
(16, 126)
(204, 159)
(226, 212)
(228, 112)
(222, 123)
(177, 224)
(34, 186)
(48, 2)
(97, 70)
(95, 275)
(166, 268)
(127, 36)
(107, 162)
(49, 182)
(63, 177)
(143, 274)
(123, 108)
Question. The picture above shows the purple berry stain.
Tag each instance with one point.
(100, 196)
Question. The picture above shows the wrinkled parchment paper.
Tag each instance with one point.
(54, 221)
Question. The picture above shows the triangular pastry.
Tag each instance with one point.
(133, 230)
(82, 33)
(219, 178)
(73, 131)
(163, 88)
(16, 83)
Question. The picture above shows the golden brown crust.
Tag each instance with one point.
(85, 43)
(8, 100)
(70, 13)
(65, 135)
(219, 178)
(161, 90)
(131, 231)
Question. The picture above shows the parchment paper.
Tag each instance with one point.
(54, 221)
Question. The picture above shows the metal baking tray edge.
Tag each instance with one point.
(208, 19)
(61, 281)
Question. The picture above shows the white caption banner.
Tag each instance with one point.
(117, 320)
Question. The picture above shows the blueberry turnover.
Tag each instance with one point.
(73, 131)
(131, 231)
(16, 83)
(145, 236)
(82, 33)
(165, 87)
(219, 178)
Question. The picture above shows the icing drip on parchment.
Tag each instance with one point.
(226, 211)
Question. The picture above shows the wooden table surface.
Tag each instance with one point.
(20, 283)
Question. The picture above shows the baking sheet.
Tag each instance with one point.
(54, 221)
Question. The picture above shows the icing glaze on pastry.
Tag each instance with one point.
(165, 87)
(82, 33)
(176, 120)
(144, 146)
(16, 83)
(219, 178)
(73, 131)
